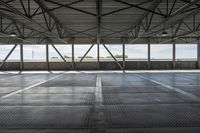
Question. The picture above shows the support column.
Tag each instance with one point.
(21, 57)
(98, 19)
(73, 63)
(198, 55)
(149, 56)
(174, 56)
(47, 56)
(124, 56)
(98, 55)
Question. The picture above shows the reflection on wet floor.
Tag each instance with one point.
(131, 102)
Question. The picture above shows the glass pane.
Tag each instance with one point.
(186, 51)
(136, 52)
(116, 51)
(80, 50)
(4, 50)
(15, 56)
(161, 51)
(35, 53)
(65, 51)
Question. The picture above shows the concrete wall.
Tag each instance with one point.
(130, 65)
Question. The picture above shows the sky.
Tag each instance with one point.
(136, 51)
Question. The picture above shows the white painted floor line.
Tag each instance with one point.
(28, 74)
(162, 71)
(27, 88)
(9, 72)
(99, 117)
(172, 88)
(42, 72)
(103, 71)
(98, 92)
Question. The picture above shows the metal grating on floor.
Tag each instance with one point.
(72, 80)
(57, 105)
(49, 99)
(146, 98)
(152, 116)
(46, 131)
(61, 90)
(45, 117)
(134, 105)
(106, 102)
(155, 130)
(132, 89)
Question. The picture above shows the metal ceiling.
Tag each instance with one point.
(99, 21)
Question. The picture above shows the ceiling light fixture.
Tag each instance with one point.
(164, 33)
(13, 34)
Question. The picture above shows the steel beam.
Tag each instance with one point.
(179, 22)
(3, 31)
(70, 7)
(181, 35)
(152, 7)
(86, 52)
(46, 9)
(58, 7)
(121, 67)
(125, 8)
(124, 55)
(21, 57)
(139, 7)
(99, 14)
(47, 56)
(71, 35)
(8, 55)
(61, 55)
(174, 55)
(149, 55)
(73, 62)
(17, 39)
(177, 12)
(98, 56)
(42, 4)
(48, 33)
(198, 54)
(98, 10)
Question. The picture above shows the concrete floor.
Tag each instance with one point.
(100, 102)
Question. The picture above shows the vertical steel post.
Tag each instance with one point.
(47, 56)
(99, 13)
(73, 63)
(1, 23)
(124, 56)
(174, 56)
(98, 56)
(21, 57)
(149, 56)
(198, 55)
